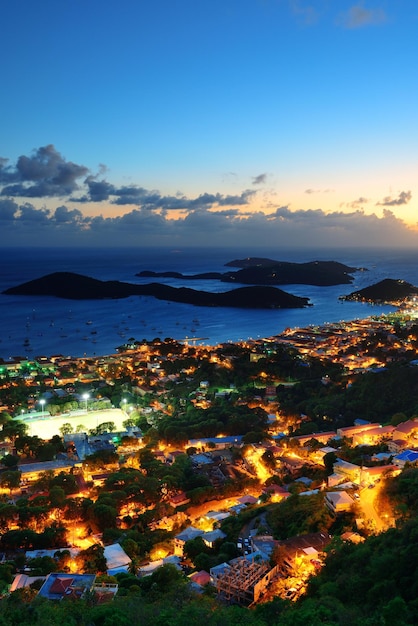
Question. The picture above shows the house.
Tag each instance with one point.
(373, 436)
(30, 471)
(116, 558)
(201, 579)
(178, 499)
(338, 501)
(397, 445)
(321, 437)
(347, 470)
(372, 474)
(59, 585)
(408, 456)
(21, 581)
(211, 537)
(408, 431)
(291, 464)
(350, 431)
(186, 535)
(276, 492)
(216, 443)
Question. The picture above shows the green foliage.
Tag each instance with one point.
(298, 515)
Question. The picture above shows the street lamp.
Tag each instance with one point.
(86, 397)
(124, 404)
(42, 403)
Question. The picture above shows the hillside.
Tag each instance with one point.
(387, 291)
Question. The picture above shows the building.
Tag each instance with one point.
(59, 585)
(338, 501)
(243, 580)
(186, 535)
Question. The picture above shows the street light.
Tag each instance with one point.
(124, 404)
(86, 397)
(42, 403)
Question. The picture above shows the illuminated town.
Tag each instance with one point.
(201, 458)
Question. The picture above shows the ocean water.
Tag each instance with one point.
(33, 326)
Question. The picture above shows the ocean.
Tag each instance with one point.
(35, 326)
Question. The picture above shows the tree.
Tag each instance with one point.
(10, 479)
(66, 429)
(10, 460)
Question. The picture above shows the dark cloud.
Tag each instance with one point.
(44, 174)
(99, 191)
(28, 213)
(260, 179)
(403, 198)
(8, 209)
(63, 215)
(229, 227)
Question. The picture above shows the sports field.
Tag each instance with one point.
(47, 426)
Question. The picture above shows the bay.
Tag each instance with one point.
(39, 325)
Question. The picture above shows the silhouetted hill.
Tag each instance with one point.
(387, 291)
(258, 271)
(77, 287)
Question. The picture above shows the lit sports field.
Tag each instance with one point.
(47, 426)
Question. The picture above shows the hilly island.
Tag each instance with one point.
(259, 271)
(387, 291)
(78, 287)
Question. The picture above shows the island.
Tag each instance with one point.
(387, 291)
(258, 271)
(78, 287)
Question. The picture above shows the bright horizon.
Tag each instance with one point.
(222, 123)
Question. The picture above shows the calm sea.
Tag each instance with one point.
(33, 326)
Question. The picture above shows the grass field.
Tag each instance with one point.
(47, 426)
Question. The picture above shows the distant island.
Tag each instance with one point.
(387, 291)
(78, 287)
(259, 271)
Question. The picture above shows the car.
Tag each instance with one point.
(357, 497)
(371, 486)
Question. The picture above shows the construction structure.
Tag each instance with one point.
(243, 580)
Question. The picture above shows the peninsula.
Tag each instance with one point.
(257, 271)
(78, 287)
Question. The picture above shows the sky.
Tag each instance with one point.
(209, 122)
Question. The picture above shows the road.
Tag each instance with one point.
(367, 502)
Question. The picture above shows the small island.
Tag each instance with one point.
(387, 291)
(78, 287)
(257, 271)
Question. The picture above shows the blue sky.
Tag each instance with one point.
(257, 121)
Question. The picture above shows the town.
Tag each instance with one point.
(236, 468)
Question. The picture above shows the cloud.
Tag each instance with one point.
(358, 17)
(260, 179)
(8, 209)
(403, 198)
(355, 204)
(63, 215)
(44, 174)
(311, 191)
(99, 191)
(203, 227)
(152, 218)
